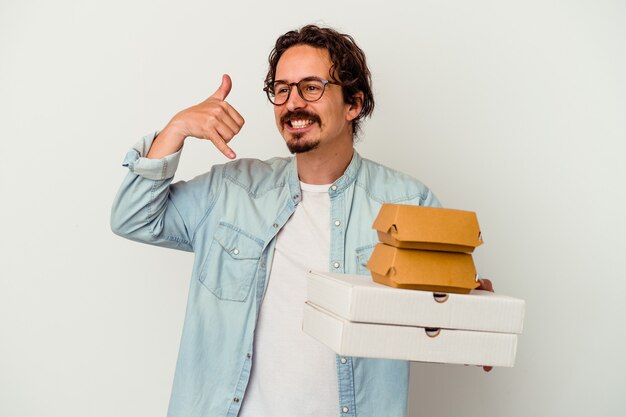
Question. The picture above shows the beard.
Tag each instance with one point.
(297, 145)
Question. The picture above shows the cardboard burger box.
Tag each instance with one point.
(422, 269)
(428, 228)
(357, 317)
(425, 248)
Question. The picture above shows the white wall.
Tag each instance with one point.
(513, 109)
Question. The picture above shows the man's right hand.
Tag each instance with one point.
(213, 119)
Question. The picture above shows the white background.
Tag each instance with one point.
(515, 110)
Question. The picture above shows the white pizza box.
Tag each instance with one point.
(357, 298)
(410, 343)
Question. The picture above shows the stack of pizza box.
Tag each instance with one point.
(421, 303)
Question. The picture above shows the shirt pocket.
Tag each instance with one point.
(231, 263)
(363, 254)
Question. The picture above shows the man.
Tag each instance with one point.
(257, 226)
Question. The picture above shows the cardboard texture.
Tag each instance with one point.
(428, 228)
(427, 249)
(358, 299)
(408, 343)
(422, 270)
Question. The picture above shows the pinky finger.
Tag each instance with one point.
(224, 148)
(221, 145)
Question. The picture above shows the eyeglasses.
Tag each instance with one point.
(310, 89)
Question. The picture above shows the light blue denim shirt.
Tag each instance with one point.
(229, 218)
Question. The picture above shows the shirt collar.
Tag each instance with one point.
(343, 182)
(349, 175)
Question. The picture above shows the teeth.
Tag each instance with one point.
(299, 124)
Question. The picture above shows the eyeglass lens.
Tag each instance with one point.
(309, 90)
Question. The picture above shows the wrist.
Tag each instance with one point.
(177, 128)
(169, 140)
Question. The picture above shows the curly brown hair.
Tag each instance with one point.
(349, 67)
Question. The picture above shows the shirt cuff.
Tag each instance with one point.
(152, 169)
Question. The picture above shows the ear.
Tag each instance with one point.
(354, 109)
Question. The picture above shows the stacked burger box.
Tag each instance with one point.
(425, 248)
(420, 303)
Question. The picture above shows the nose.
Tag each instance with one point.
(294, 101)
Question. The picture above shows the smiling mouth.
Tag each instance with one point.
(300, 123)
(300, 119)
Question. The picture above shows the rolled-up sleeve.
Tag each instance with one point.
(152, 169)
(146, 208)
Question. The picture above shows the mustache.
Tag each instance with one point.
(300, 114)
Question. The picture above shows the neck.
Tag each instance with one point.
(324, 166)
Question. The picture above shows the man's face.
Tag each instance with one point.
(310, 125)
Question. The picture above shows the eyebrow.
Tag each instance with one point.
(310, 77)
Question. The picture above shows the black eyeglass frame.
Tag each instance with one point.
(269, 89)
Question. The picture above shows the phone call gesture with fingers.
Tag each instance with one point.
(214, 119)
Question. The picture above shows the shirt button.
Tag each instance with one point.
(343, 360)
(295, 197)
(333, 187)
(235, 251)
(248, 355)
(337, 222)
(275, 225)
(336, 264)
(236, 399)
(345, 409)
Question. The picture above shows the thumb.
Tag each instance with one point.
(224, 89)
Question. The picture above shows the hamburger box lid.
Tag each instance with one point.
(429, 228)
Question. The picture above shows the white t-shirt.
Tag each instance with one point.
(292, 373)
